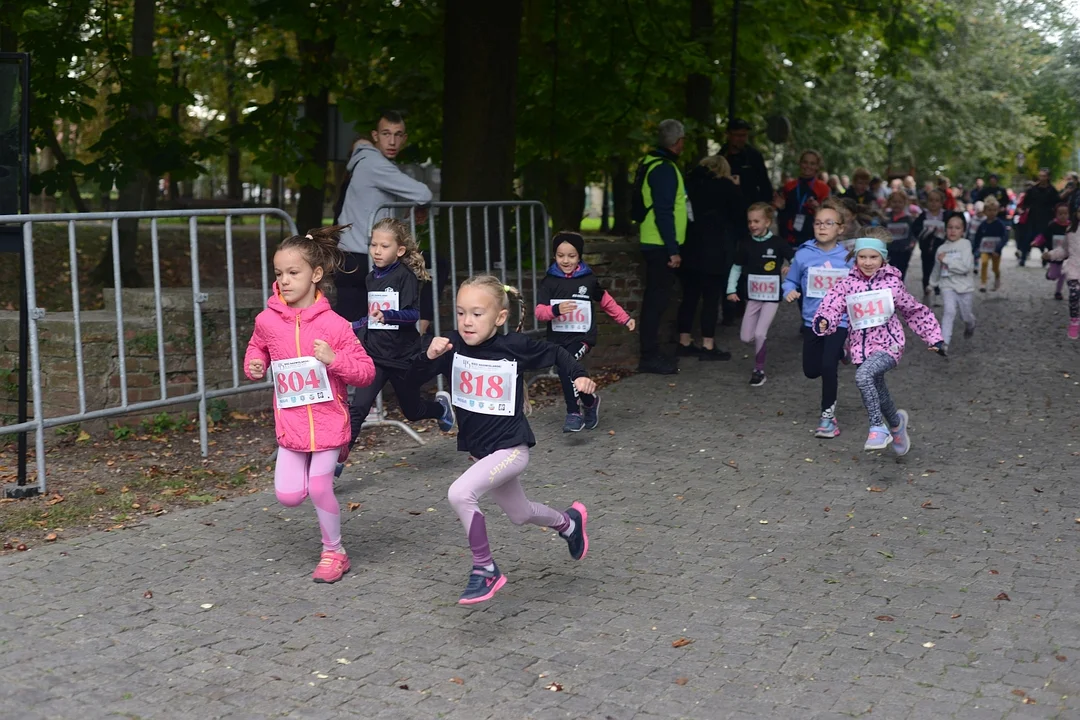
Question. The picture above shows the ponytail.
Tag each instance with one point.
(320, 249)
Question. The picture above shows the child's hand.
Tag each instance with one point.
(1046, 256)
(324, 353)
(941, 257)
(567, 307)
(256, 369)
(784, 271)
(733, 297)
(822, 325)
(585, 385)
(439, 346)
(376, 316)
(939, 348)
(792, 296)
(631, 324)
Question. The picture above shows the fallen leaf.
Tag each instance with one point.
(928, 505)
(928, 644)
(1019, 693)
(953, 617)
(56, 498)
(556, 687)
(1002, 596)
(886, 553)
(403, 687)
(1060, 658)
(236, 415)
(83, 436)
(8, 546)
(457, 681)
(681, 642)
(876, 488)
(125, 488)
(148, 595)
(320, 615)
(135, 506)
(885, 618)
(827, 508)
(763, 522)
(1030, 701)
(415, 512)
(732, 464)
(21, 547)
(354, 506)
(994, 572)
(1035, 488)
(207, 606)
(343, 661)
(51, 537)
(681, 681)
(610, 432)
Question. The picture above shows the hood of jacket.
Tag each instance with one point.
(837, 257)
(278, 305)
(581, 271)
(364, 153)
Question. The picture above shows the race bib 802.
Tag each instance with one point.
(300, 381)
(381, 300)
(484, 386)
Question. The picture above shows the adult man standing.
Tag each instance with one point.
(999, 193)
(747, 164)
(1039, 202)
(374, 181)
(663, 232)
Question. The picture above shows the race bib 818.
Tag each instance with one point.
(484, 386)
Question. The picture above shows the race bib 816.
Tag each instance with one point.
(578, 320)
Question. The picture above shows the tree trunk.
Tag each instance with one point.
(61, 162)
(174, 113)
(479, 100)
(569, 197)
(275, 191)
(315, 59)
(233, 188)
(698, 85)
(605, 201)
(620, 198)
(136, 194)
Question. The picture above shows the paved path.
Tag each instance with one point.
(716, 517)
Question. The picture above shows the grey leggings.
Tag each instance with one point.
(870, 379)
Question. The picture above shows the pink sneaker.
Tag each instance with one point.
(1074, 328)
(332, 565)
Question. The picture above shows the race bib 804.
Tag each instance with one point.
(578, 320)
(381, 300)
(484, 386)
(820, 280)
(300, 381)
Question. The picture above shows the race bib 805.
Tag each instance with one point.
(763, 288)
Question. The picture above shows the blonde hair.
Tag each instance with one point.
(991, 202)
(877, 232)
(502, 292)
(319, 247)
(765, 208)
(412, 258)
(717, 165)
(838, 207)
(860, 173)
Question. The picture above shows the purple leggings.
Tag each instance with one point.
(497, 474)
(299, 474)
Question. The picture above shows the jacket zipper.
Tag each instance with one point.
(310, 417)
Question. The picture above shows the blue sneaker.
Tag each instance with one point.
(338, 469)
(827, 429)
(878, 438)
(901, 443)
(574, 423)
(483, 584)
(592, 413)
(446, 422)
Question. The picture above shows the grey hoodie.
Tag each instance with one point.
(375, 181)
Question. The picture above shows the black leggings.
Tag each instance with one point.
(413, 407)
(927, 251)
(821, 358)
(570, 393)
(351, 285)
(1074, 298)
(706, 288)
(900, 260)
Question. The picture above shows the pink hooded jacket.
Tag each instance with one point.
(284, 333)
(1070, 254)
(888, 338)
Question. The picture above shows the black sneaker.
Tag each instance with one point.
(578, 541)
(574, 423)
(714, 354)
(757, 378)
(483, 584)
(592, 413)
(969, 330)
(658, 365)
(687, 350)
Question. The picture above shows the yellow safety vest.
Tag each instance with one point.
(650, 233)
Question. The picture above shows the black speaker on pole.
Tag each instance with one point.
(15, 200)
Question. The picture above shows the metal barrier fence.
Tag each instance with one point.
(498, 219)
(40, 422)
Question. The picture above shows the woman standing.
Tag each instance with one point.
(717, 219)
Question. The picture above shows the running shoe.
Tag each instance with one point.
(757, 378)
(574, 423)
(446, 420)
(592, 413)
(483, 584)
(714, 354)
(827, 429)
(1074, 328)
(687, 350)
(901, 443)
(332, 565)
(969, 330)
(578, 541)
(878, 439)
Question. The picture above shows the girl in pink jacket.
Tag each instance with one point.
(870, 296)
(312, 354)
(1068, 253)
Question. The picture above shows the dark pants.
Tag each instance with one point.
(706, 288)
(900, 261)
(659, 279)
(1025, 234)
(821, 358)
(570, 393)
(351, 302)
(927, 250)
(413, 407)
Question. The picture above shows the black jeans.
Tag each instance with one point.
(928, 250)
(821, 358)
(659, 279)
(707, 289)
(900, 260)
(413, 407)
(578, 350)
(351, 285)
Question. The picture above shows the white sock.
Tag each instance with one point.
(570, 530)
(490, 567)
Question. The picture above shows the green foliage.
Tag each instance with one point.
(122, 432)
(160, 424)
(216, 410)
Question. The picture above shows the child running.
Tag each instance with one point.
(312, 355)
(565, 302)
(762, 255)
(898, 221)
(990, 240)
(868, 298)
(929, 229)
(1068, 253)
(485, 371)
(818, 264)
(389, 329)
(1052, 238)
(954, 273)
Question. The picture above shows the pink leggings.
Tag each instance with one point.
(497, 474)
(755, 327)
(299, 474)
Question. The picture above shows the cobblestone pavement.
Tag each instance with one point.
(812, 579)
